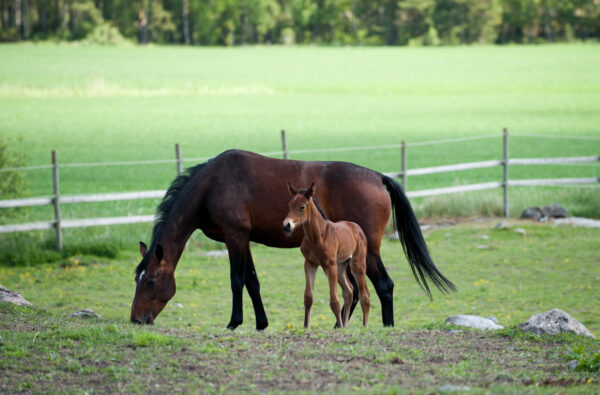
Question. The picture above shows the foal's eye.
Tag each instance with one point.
(302, 208)
(151, 283)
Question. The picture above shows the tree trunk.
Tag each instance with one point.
(43, 15)
(149, 22)
(25, 17)
(17, 11)
(185, 21)
(5, 16)
(143, 23)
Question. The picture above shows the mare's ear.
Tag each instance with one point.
(143, 249)
(293, 190)
(311, 191)
(159, 252)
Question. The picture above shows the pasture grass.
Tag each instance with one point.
(506, 274)
(101, 104)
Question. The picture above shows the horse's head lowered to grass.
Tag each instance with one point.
(155, 285)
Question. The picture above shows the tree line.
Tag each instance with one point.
(328, 22)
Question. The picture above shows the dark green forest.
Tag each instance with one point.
(326, 22)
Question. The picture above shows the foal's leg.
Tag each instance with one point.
(346, 292)
(358, 267)
(310, 271)
(330, 270)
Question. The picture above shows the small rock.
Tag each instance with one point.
(85, 313)
(520, 231)
(473, 321)
(553, 322)
(482, 246)
(554, 210)
(493, 319)
(502, 225)
(572, 364)
(179, 305)
(484, 237)
(448, 234)
(453, 388)
(533, 213)
(8, 296)
(576, 221)
(1, 340)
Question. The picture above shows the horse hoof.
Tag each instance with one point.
(232, 325)
(261, 326)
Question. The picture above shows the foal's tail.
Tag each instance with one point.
(412, 240)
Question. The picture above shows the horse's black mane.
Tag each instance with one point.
(320, 210)
(165, 207)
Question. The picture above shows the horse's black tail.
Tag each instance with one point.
(412, 240)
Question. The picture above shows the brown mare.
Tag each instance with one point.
(334, 246)
(232, 199)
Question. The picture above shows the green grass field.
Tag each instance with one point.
(97, 104)
(103, 104)
(513, 277)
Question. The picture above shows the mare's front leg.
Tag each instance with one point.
(330, 269)
(310, 271)
(253, 287)
(237, 245)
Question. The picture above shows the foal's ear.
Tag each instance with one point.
(293, 190)
(143, 249)
(311, 191)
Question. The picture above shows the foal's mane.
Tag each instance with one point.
(164, 209)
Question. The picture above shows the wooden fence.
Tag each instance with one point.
(57, 200)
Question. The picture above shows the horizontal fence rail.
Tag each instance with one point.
(56, 200)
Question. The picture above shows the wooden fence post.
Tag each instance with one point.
(178, 158)
(404, 175)
(56, 202)
(505, 170)
(284, 145)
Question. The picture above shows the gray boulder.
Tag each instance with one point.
(473, 321)
(8, 296)
(85, 313)
(533, 213)
(553, 322)
(554, 210)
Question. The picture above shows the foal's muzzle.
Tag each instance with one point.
(288, 227)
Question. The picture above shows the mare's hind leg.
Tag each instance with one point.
(253, 287)
(330, 269)
(384, 286)
(346, 292)
(310, 271)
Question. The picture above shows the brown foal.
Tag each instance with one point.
(331, 245)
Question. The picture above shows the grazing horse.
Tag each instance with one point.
(232, 199)
(333, 246)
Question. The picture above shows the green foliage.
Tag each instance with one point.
(339, 22)
(12, 183)
(587, 361)
(106, 34)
